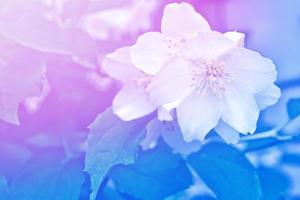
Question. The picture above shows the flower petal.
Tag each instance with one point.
(228, 134)
(150, 52)
(153, 131)
(249, 69)
(181, 19)
(268, 97)
(240, 110)
(164, 114)
(198, 114)
(206, 46)
(132, 103)
(117, 65)
(172, 83)
(172, 135)
(237, 37)
(22, 75)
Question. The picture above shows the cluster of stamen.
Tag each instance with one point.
(174, 46)
(211, 77)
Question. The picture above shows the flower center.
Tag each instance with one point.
(211, 77)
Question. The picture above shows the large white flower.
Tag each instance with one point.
(212, 80)
(135, 66)
(132, 101)
(153, 49)
(223, 86)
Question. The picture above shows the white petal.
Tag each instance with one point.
(180, 19)
(172, 105)
(240, 110)
(197, 115)
(249, 69)
(172, 135)
(268, 97)
(206, 46)
(150, 52)
(237, 37)
(118, 66)
(22, 76)
(153, 131)
(172, 83)
(164, 114)
(132, 103)
(228, 134)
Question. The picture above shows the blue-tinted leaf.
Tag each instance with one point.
(109, 192)
(156, 174)
(85, 188)
(274, 184)
(291, 159)
(227, 172)
(3, 188)
(204, 198)
(47, 177)
(293, 107)
(294, 198)
(111, 141)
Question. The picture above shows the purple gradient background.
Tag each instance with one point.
(78, 92)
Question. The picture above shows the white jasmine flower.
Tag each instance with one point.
(153, 49)
(133, 100)
(135, 66)
(212, 80)
(223, 86)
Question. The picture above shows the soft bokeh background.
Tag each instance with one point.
(70, 38)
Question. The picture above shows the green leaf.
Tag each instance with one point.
(156, 174)
(111, 141)
(109, 192)
(48, 177)
(227, 172)
(274, 183)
